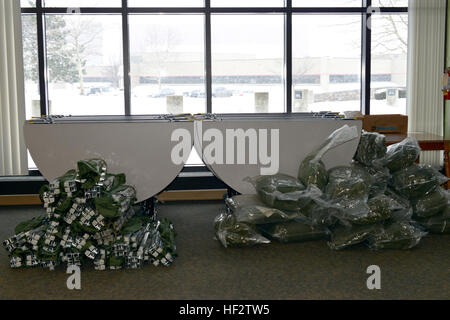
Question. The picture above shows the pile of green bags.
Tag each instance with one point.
(249, 221)
(90, 217)
(383, 199)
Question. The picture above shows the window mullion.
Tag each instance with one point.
(366, 61)
(208, 56)
(126, 58)
(42, 59)
(288, 56)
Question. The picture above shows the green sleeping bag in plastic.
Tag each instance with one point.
(372, 147)
(293, 231)
(402, 155)
(398, 235)
(231, 233)
(431, 204)
(417, 181)
(343, 237)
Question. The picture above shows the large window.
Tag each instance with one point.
(109, 57)
(247, 63)
(167, 64)
(389, 64)
(84, 64)
(326, 73)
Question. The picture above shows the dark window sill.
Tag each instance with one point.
(191, 178)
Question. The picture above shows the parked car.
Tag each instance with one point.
(94, 91)
(381, 94)
(222, 92)
(197, 94)
(164, 93)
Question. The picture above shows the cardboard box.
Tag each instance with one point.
(387, 124)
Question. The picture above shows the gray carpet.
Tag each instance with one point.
(205, 270)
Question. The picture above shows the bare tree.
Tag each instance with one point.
(114, 71)
(391, 33)
(160, 42)
(83, 39)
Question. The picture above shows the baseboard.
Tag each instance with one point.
(20, 200)
(194, 195)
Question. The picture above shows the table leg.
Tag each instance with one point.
(447, 162)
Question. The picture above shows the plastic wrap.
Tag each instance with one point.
(438, 224)
(375, 210)
(293, 231)
(417, 181)
(73, 230)
(383, 206)
(372, 147)
(284, 192)
(234, 234)
(321, 213)
(402, 155)
(250, 209)
(91, 171)
(379, 177)
(348, 184)
(113, 204)
(398, 235)
(343, 237)
(405, 212)
(244, 200)
(431, 204)
(113, 181)
(262, 215)
(312, 170)
(360, 212)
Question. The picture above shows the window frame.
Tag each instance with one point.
(366, 11)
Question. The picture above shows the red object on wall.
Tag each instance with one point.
(446, 95)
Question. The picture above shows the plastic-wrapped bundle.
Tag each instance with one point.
(398, 235)
(382, 207)
(343, 236)
(262, 215)
(360, 212)
(372, 147)
(249, 209)
(293, 231)
(284, 192)
(439, 224)
(113, 181)
(377, 209)
(243, 200)
(234, 234)
(113, 204)
(312, 170)
(402, 155)
(73, 230)
(403, 213)
(282, 183)
(91, 172)
(417, 181)
(379, 178)
(321, 213)
(431, 204)
(348, 183)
